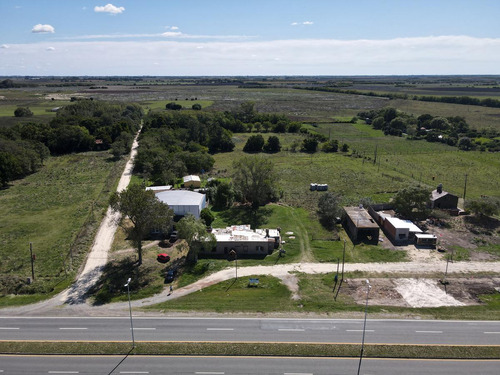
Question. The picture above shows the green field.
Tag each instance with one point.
(57, 209)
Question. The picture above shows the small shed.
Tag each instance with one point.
(443, 200)
(360, 225)
(425, 239)
(158, 189)
(192, 181)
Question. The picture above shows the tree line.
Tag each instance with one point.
(453, 130)
(84, 126)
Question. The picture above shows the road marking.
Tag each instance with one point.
(73, 328)
(359, 330)
(219, 329)
(292, 329)
(298, 373)
(208, 373)
(63, 372)
(134, 372)
(9, 328)
(429, 331)
(491, 333)
(144, 329)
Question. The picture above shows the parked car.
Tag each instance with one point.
(163, 258)
(170, 275)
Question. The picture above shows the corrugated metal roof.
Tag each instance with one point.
(181, 197)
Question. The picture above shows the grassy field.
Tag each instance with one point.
(57, 209)
(400, 163)
(316, 296)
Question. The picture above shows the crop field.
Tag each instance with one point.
(56, 209)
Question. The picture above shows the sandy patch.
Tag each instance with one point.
(425, 293)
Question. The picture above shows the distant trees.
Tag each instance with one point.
(330, 146)
(329, 208)
(23, 112)
(412, 202)
(221, 194)
(196, 107)
(255, 181)
(272, 145)
(173, 106)
(309, 145)
(254, 144)
(145, 212)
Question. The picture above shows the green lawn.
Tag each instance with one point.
(57, 209)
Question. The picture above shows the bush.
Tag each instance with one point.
(23, 112)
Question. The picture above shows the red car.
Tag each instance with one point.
(163, 258)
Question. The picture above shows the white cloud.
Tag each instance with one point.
(401, 56)
(174, 28)
(50, 49)
(172, 33)
(109, 8)
(294, 23)
(5, 46)
(307, 23)
(43, 29)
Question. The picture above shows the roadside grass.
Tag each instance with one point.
(331, 251)
(247, 349)
(234, 296)
(316, 296)
(58, 209)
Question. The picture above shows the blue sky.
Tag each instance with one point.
(258, 37)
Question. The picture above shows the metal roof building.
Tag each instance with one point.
(183, 202)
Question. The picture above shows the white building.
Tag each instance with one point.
(245, 241)
(401, 231)
(191, 181)
(183, 202)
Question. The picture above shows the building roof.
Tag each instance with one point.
(436, 195)
(191, 178)
(425, 235)
(398, 223)
(360, 217)
(159, 188)
(181, 197)
(243, 233)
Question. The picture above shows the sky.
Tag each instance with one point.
(249, 38)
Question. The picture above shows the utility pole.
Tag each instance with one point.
(465, 185)
(32, 262)
(342, 277)
(130, 310)
(368, 287)
(375, 155)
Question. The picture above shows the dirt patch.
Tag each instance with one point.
(411, 292)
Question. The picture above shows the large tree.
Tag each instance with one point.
(255, 181)
(194, 231)
(144, 210)
(412, 202)
(329, 208)
(484, 206)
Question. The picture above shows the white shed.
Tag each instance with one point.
(183, 202)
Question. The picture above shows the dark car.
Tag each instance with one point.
(170, 275)
(163, 258)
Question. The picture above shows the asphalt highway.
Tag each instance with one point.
(251, 329)
(33, 365)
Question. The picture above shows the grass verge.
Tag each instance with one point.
(252, 349)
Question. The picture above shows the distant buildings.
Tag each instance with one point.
(443, 200)
(192, 181)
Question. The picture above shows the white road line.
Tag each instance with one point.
(63, 372)
(218, 329)
(429, 331)
(144, 329)
(291, 329)
(359, 330)
(134, 372)
(208, 373)
(491, 333)
(9, 328)
(298, 373)
(73, 328)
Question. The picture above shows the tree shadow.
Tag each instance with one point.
(484, 222)
(246, 215)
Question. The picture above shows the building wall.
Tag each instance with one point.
(397, 235)
(242, 248)
(446, 202)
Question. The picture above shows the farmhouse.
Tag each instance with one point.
(360, 226)
(245, 241)
(443, 200)
(191, 181)
(183, 202)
